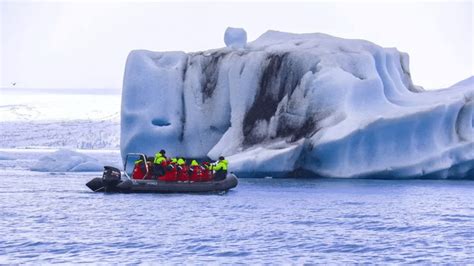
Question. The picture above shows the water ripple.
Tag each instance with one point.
(262, 221)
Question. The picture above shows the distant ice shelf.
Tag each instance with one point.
(298, 104)
(59, 118)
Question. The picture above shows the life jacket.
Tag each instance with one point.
(171, 173)
(182, 170)
(160, 159)
(139, 170)
(206, 173)
(221, 165)
(220, 170)
(195, 171)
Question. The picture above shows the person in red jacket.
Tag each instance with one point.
(171, 172)
(195, 172)
(139, 170)
(182, 170)
(206, 173)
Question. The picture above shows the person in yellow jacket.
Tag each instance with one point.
(159, 163)
(194, 171)
(220, 169)
(160, 157)
(182, 170)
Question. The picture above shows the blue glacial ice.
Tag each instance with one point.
(292, 104)
(235, 37)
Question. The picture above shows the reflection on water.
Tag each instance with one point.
(54, 218)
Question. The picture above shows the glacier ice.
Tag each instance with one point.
(58, 118)
(235, 37)
(298, 104)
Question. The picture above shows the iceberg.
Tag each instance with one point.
(298, 105)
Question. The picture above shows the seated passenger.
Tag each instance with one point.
(139, 169)
(182, 170)
(171, 172)
(220, 169)
(206, 172)
(159, 164)
(195, 172)
(149, 164)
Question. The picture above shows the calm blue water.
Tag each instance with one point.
(55, 219)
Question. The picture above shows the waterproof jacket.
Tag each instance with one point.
(221, 165)
(159, 158)
(195, 171)
(171, 173)
(182, 170)
(206, 174)
(139, 170)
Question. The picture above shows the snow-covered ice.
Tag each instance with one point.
(18, 104)
(20, 160)
(65, 160)
(235, 37)
(35, 123)
(298, 102)
(5, 156)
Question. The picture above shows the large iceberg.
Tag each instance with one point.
(298, 105)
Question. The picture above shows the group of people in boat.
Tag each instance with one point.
(177, 169)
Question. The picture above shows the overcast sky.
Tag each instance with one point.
(85, 45)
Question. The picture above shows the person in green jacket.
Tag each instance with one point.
(220, 169)
(159, 164)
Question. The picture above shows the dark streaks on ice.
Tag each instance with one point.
(210, 69)
(306, 130)
(281, 76)
(210, 65)
(183, 103)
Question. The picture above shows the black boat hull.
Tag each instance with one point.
(154, 186)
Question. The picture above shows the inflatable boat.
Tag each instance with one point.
(113, 180)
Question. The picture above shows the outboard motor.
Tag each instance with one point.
(111, 178)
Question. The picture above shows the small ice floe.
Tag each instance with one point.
(67, 161)
(5, 157)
